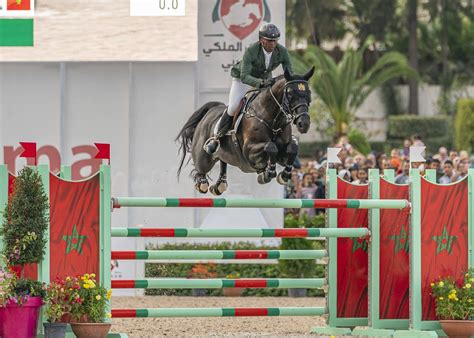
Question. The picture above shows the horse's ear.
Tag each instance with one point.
(308, 75)
(288, 76)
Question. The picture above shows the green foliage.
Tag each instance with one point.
(24, 288)
(300, 268)
(25, 220)
(344, 86)
(358, 140)
(405, 126)
(454, 302)
(464, 125)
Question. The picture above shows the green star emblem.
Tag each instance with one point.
(18, 2)
(444, 241)
(74, 241)
(359, 243)
(401, 240)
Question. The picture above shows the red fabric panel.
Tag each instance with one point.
(251, 312)
(352, 256)
(251, 254)
(31, 270)
(394, 260)
(75, 218)
(444, 209)
(250, 283)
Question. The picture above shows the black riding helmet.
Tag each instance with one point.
(269, 31)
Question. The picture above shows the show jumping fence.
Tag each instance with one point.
(368, 283)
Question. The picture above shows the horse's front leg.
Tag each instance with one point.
(291, 153)
(221, 184)
(269, 150)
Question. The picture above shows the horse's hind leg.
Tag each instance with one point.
(291, 153)
(201, 183)
(221, 184)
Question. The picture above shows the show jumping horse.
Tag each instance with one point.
(262, 139)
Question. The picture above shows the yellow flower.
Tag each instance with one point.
(452, 296)
(92, 275)
(98, 297)
(440, 284)
(432, 284)
(109, 294)
(468, 286)
(471, 280)
(86, 276)
(440, 298)
(86, 286)
(68, 279)
(108, 315)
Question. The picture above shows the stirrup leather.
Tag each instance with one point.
(211, 139)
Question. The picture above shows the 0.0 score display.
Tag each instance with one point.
(157, 7)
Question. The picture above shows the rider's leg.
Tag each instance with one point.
(237, 92)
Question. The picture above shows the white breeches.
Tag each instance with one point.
(237, 92)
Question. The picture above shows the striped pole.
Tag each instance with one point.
(218, 312)
(257, 203)
(220, 254)
(235, 233)
(186, 283)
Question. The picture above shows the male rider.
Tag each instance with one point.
(254, 71)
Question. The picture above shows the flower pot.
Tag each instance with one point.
(458, 328)
(233, 292)
(199, 292)
(91, 330)
(21, 321)
(2, 309)
(295, 293)
(54, 330)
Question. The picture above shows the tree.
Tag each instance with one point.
(344, 86)
(413, 56)
(25, 221)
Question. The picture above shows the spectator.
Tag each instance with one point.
(386, 164)
(362, 176)
(307, 190)
(462, 170)
(442, 155)
(395, 159)
(345, 175)
(416, 141)
(448, 173)
(406, 148)
(353, 171)
(403, 177)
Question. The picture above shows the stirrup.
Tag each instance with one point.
(209, 140)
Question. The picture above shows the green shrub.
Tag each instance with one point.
(358, 140)
(464, 125)
(405, 126)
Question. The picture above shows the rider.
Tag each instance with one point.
(254, 71)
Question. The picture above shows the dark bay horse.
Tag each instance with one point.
(263, 138)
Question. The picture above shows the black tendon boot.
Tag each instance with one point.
(212, 143)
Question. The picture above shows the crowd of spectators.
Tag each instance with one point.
(308, 177)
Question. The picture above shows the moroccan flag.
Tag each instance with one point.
(18, 5)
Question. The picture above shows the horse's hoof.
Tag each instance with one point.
(281, 179)
(218, 189)
(202, 187)
(261, 178)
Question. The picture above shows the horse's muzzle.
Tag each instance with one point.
(303, 123)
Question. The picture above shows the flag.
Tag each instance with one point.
(29, 150)
(332, 155)
(103, 151)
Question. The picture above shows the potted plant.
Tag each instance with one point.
(60, 295)
(455, 304)
(233, 292)
(297, 268)
(24, 227)
(89, 309)
(202, 271)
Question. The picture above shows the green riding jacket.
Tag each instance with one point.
(251, 70)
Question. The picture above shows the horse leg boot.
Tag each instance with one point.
(201, 183)
(270, 171)
(221, 184)
(291, 152)
(212, 144)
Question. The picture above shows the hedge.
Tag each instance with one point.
(405, 126)
(464, 125)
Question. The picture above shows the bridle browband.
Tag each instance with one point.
(288, 112)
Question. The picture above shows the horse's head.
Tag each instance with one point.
(297, 98)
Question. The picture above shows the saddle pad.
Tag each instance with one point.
(231, 130)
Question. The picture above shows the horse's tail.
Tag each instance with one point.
(186, 134)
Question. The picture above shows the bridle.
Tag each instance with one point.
(290, 113)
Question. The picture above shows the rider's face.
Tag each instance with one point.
(268, 45)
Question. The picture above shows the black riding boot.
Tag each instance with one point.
(225, 123)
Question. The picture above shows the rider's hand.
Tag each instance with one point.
(267, 83)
